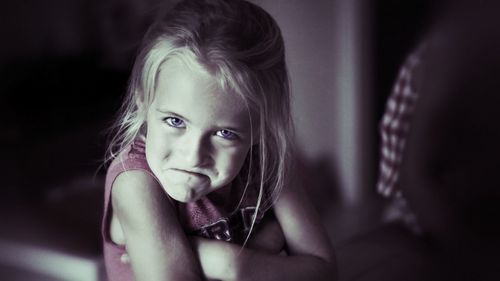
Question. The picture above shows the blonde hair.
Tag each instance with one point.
(241, 46)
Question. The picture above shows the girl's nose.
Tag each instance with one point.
(196, 152)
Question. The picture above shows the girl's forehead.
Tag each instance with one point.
(196, 92)
(186, 68)
(179, 75)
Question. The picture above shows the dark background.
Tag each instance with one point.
(63, 70)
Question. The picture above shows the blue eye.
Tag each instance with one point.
(175, 122)
(226, 134)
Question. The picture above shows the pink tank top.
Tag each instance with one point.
(209, 217)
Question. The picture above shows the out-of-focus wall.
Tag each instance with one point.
(327, 44)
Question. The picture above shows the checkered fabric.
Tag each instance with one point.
(395, 125)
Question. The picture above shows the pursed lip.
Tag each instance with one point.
(194, 173)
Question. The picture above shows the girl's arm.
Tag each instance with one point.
(158, 248)
(268, 237)
(310, 252)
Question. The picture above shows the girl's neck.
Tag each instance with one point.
(228, 196)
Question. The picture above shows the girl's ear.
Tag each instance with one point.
(139, 101)
(141, 110)
(143, 130)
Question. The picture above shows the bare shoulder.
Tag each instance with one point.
(136, 196)
(131, 193)
(132, 186)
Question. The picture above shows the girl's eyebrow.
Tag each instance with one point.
(167, 112)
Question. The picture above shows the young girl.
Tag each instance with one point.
(200, 183)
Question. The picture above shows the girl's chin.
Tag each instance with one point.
(187, 195)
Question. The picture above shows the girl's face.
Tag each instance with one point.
(197, 135)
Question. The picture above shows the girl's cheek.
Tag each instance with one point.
(235, 160)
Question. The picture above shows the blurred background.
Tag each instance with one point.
(64, 66)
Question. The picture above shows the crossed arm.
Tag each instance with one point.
(310, 255)
(159, 250)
